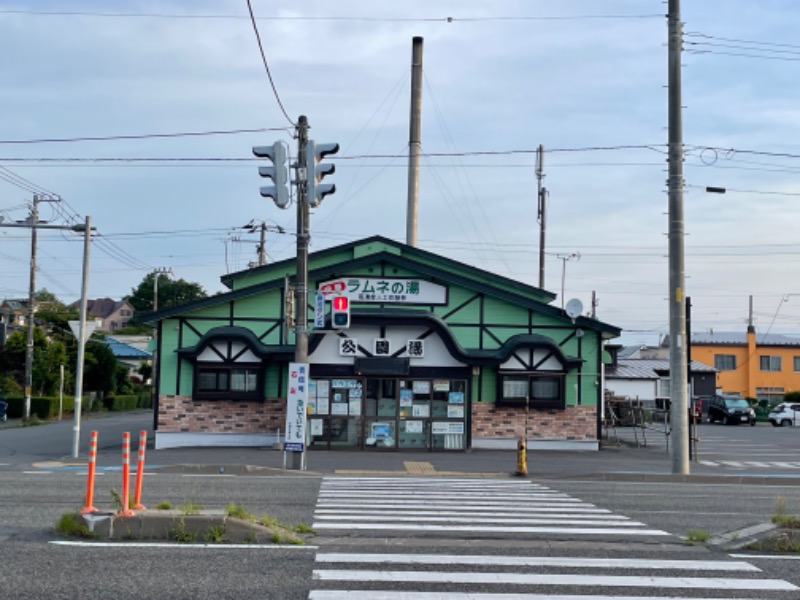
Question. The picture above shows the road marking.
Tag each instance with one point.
(554, 520)
(389, 595)
(570, 579)
(182, 546)
(537, 561)
(488, 529)
(391, 508)
(419, 468)
(477, 513)
(767, 556)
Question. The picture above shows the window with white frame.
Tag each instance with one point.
(532, 389)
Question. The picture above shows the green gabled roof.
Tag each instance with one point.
(381, 245)
(380, 250)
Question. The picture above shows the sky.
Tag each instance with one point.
(98, 100)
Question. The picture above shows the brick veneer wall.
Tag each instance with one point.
(574, 423)
(180, 413)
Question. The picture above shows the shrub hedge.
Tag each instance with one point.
(46, 407)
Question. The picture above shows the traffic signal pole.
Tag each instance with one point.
(301, 289)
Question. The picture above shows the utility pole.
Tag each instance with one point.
(261, 249)
(156, 272)
(542, 198)
(564, 258)
(34, 221)
(677, 294)
(301, 290)
(414, 135)
(76, 427)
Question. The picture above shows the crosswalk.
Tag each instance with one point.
(463, 506)
(752, 464)
(454, 511)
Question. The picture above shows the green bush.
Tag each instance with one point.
(118, 403)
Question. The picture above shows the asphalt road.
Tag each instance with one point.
(39, 481)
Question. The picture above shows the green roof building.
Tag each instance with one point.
(438, 355)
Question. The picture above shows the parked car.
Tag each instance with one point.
(785, 415)
(731, 410)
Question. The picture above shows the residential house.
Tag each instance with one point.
(762, 366)
(114, 314)
(648, 379)
(128, 355)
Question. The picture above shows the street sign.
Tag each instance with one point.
(319, 311)
(296, 402)
(75, 326)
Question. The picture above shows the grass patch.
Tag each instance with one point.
(181, 534)
(72, 525)
(699, 536)
(163, 506)
(190, 507)
(304, 528)
(215, 535)
(237, 511)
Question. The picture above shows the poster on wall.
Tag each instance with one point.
(455, 397)
(317, 426)
(355, 407)
(406, 397)
(455, 411)
(312, 397)
(322, 405)
(422, 387)
(441, 385)
(339, 408)
(442, 428)
(323, 388)
(420, 410)
(413, 426)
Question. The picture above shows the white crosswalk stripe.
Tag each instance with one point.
(374, 569)
(751, 464)
(405, 507)
(463, 506)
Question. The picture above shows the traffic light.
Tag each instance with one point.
(314, 154)
(340, 312)
(278, 173)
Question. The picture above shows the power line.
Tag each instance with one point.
(266, 65)
(142, 136)
(445, 19)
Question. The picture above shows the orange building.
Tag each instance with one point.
(762, 366)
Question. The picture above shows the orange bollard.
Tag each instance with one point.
(137, 495)
(125, 511)
(88, 508)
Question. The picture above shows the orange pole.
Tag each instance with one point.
(88, 508)
(126, 474)
(137, 496)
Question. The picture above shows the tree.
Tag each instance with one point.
(170, 293)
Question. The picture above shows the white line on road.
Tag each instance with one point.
(520, 519)
(537, 561)
(490, 529)
(567, 512)
(181, 546)
(391, 595)
(568, 579)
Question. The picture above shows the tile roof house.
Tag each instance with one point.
(114, 314)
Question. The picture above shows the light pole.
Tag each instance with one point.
(564, 258)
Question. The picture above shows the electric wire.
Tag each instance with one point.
(141, 136)
(266, 64)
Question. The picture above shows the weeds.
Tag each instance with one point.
(304, 528)
(72, 525)
(191, 507)
(215, 535)
(700, 536)
(181, 534)
(163, 506)
(237, 511)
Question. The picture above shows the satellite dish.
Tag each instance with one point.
(574, 308)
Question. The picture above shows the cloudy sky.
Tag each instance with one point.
(586, 80)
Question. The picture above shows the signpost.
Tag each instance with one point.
(297, 400)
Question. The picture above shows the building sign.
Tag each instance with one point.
(297, 400)
(382, 347)
(446, 427)
(385, 290)
(319, 311)
(348, 347)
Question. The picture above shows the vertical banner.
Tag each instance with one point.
(319, 311)
(297, 400)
